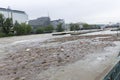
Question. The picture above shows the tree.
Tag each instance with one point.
(28, 29)
(22, 29)
(59, 27)
(86, 26)
(77, 27)
(6, 27)
(74, 27)
(5, 24)
(16, 27)
(49, 29)
(71, 27)
(2, 19)
(40, 30)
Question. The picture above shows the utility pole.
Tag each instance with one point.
(8, 9)
(11, 15)
(118, 29)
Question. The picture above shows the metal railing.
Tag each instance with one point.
(114, 74)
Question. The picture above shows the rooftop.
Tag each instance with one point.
(16, 11)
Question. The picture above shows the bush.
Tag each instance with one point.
(39, 30)
(11, 34)
(59, 28)
(2, 35)
(5, 24)
(87, 26)
(22, 29)
(6, 35)
(28, 29)
(48, 29)
(74, 27)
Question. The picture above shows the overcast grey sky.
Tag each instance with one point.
(90, 11)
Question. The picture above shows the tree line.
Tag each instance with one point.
(8, 28)
(49, 29)
(84, 26)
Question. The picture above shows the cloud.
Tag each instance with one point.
(91, 11)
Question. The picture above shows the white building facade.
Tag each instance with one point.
(16, 15)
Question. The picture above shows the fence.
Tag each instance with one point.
(114, 74)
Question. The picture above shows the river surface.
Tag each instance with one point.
(92, 67)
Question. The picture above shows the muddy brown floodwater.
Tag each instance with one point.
(47, 57)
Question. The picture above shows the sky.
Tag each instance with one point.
(89, 11)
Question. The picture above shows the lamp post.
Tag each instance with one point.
(8, 9)
(10, 16)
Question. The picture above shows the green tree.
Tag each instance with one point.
(59, 28)
(28, 29)
(2, 19)
(5, 24)
(77, 27)
(22, 29)
(40, 30)
(49, 29)
(16, 26)
(86, 26)
(74, 27)
(6, 27)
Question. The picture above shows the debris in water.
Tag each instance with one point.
(27, 49)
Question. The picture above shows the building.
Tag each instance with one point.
(16, 15)
(40, 22)
(55, 23)
(112, 25)
(45, 21)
